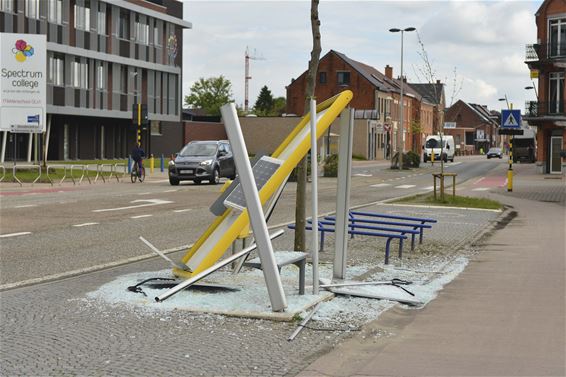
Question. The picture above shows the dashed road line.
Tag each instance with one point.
(359, 175)
(427, 188)
(182, 210)
(140, 216)
(381, 185)
(26, 206)
(481, 189)
(84, 224)
(174, 190)
(405, 186)
(14, 234)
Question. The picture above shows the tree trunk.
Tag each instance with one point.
(300, 211)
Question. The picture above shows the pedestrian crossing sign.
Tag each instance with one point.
(510, 118)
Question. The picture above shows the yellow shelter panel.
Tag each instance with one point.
(226, 228)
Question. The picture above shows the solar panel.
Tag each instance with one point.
(263, 170)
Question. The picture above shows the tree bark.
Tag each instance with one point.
(300, 210)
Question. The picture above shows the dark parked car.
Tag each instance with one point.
(203, 160)
(494, 152)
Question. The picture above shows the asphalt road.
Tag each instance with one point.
(52, 231)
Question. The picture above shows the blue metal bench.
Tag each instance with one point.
(352, 229)
(415, 221)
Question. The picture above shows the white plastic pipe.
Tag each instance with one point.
(314, 184)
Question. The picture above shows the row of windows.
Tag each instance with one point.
(82, 19)
(79, 79)
(342, 78)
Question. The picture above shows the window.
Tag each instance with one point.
(7, 6)
(82, 16)
(141, 31)
(124, 25)
(100, 77)
(343, 78)
(123, 79)
(79, 74)
(156, 34)
(101, 20)
(32, 9)
(556, 96)
(557, 37)
(322, 77)
(56, 70)
(54, 14)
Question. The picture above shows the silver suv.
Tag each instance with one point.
(203, 160)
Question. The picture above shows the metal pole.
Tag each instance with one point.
(4, 139)
(510, 170)
(48, 133)
(314, 189)
(254, 208)
(400, 137)
(30, 144)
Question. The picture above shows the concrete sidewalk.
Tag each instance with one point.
(503, 316)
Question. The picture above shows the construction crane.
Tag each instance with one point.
(249, 56)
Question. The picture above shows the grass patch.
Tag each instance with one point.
(56, 174)
(449, 201)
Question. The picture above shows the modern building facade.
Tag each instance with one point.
(547, 59)
(104, 56)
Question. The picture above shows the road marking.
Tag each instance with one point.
(381, 185)
(26, 206)
(140, 216)
(405, 186)
(453, 164)
(160, 181)
(152, 202)
(479, 180)
(14, 234)
(171, 190)
(428, 188)
(356, 175)
(85, 224)
(144, 193)
(182, 210)
(481, 189)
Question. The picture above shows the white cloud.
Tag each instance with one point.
(485, 41)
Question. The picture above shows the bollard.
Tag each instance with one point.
(129, 164)
(151, 163)
(162, 163)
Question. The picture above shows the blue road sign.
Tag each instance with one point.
(510, 118)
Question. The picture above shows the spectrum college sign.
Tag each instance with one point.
(23, 63)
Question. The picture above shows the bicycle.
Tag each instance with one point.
(136, 174)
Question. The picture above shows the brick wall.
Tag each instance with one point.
(330, 64)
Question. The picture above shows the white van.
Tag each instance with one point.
(432, 145)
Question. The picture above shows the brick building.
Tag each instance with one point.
(376, 91)
(102, 57)
(476, 127)
(547, 57)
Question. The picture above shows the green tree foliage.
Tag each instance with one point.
(210, 94)
(264, 103)
(279, 105)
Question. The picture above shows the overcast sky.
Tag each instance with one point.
(484, 42)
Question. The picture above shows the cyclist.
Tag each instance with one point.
(137, 155)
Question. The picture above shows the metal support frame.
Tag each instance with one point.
(57, 166)
(3, 172)
(210, 270)
(343, 192)
(83, 169)
(16, 167)
(254, 208)
(115, 171)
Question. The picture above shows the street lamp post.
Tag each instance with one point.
(400, 139)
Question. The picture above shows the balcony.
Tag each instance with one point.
(555, 109)
(545, 52)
